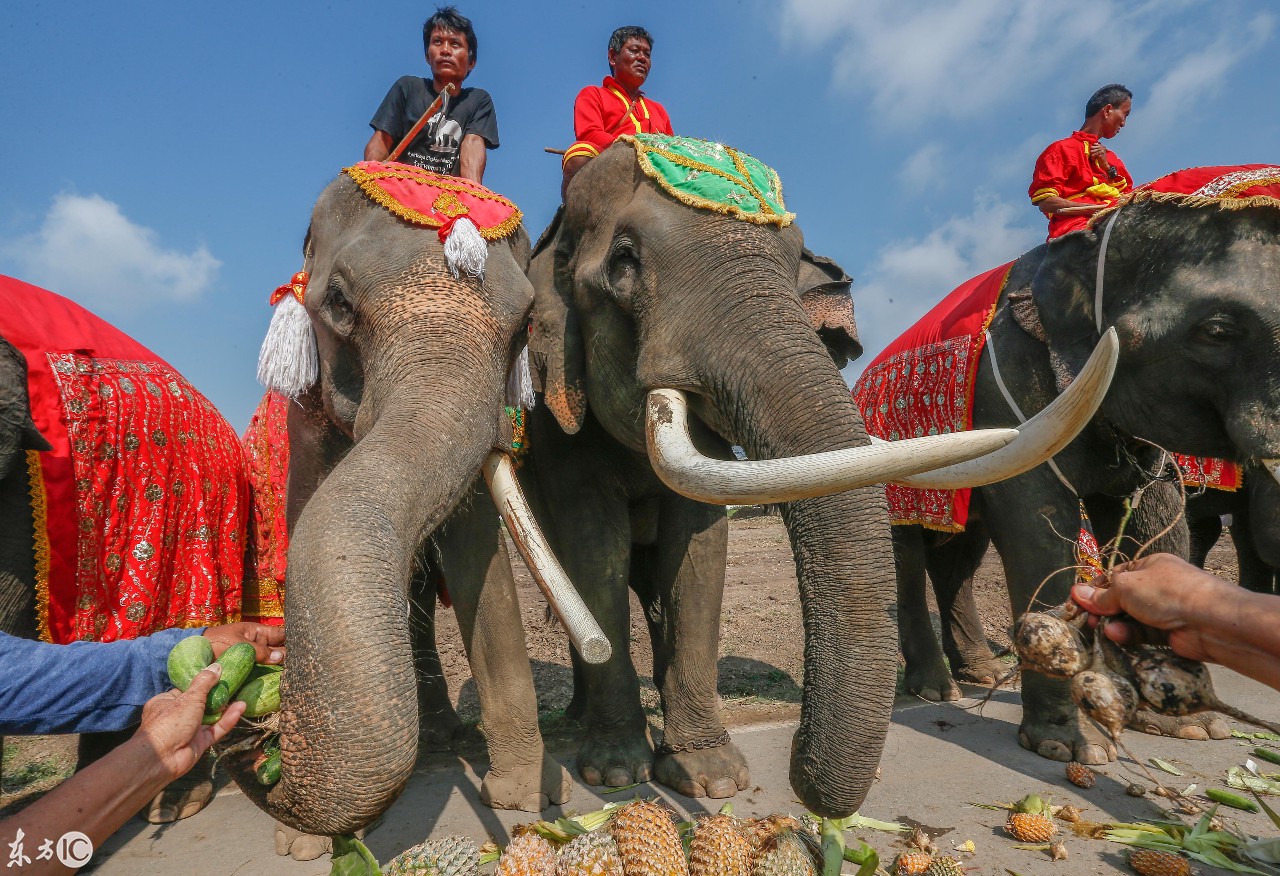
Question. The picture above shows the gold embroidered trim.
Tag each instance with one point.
(767, 216)
(368, 184)
(449, 205)
(1139, 196)
(936, 527)
(40, 525)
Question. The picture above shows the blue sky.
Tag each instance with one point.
(161, 160)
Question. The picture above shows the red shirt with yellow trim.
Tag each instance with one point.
(604, 112)
(1065, 170)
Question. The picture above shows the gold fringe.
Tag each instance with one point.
(368, 184)
(1139, 196)
(936, 527)
(40, 524)
(768, 216)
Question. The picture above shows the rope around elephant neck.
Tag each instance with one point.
(1102, 263)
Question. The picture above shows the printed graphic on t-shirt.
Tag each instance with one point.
(441, 138)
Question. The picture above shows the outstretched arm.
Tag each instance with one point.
(1202, 616)
(100, 798)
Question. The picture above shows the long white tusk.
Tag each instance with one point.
(564, 600)
(718, 482)
(1040, 437)
(1273, 466)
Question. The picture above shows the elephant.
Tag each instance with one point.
(1254, 530)
(1191, 287)
(384, 493)
(643, 299)
(123, 496)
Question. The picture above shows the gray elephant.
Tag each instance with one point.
(383, 493)
(1189, 281)
(1255, 528)
(652, 288)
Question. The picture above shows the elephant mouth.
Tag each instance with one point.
(965, 459)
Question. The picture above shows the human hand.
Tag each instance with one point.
(171, 723)
(1164, 597)
(267, 641)
(1097, 152)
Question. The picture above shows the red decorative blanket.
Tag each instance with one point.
(922, 384)
(140, 508)
(266, 451)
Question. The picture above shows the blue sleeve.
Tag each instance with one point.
(83, 687)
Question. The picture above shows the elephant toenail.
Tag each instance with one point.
(722, 788)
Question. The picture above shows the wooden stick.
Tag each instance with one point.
(554, 151)
(547, 572)
(450, 90)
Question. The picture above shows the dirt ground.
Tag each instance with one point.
(761, 652)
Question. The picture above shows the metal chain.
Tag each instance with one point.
(695, 745)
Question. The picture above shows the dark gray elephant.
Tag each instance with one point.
(1255, 528)
(1193, 288)
(383, 493)
(642, 301)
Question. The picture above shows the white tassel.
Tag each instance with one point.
(465, 249)
(520, 383)
(288, 362)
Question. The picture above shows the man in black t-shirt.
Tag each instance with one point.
(454, 140)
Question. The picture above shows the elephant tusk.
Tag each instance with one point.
(719, 482)
(564, 600)
(1042, 436)
(1273, 466)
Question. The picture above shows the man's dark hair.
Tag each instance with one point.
(622, 34)
(449, 18)
(1114, 94)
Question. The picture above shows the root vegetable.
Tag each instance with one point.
(1106, 698)
(1049, 645)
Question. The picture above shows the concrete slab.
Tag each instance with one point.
(938, 757)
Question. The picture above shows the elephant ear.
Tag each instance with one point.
(1063, 291)
(521, 250)
(823, 287)
(556, 352)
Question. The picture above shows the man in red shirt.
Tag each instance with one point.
(1077, 176)
(616, 106)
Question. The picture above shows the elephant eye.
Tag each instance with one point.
(624, 271)
(1218, 330)
(338, 309)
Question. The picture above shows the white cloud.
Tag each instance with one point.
(910, 276)
(88, 250)
(924, 169)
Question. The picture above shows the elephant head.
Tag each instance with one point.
(407, 406)
(18, 431)
(1193, 289)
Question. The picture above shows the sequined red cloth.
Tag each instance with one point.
(140, 508)
(266, 450)
(922, 384)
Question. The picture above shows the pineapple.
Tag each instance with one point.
(720, 847)
(591, 854)
(762, 831)
(1031, 827)
(945, 866)
(912, 863)
(527, 855)
(784, 854)
(1152, 862)
(648, 842)
(1080, 775)
(444, 856)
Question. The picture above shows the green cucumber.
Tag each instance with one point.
(236, 663)
(1235, 801)
(1267, 754)
(187, 658)
(261, 695)
(211, 719)
(268, 772)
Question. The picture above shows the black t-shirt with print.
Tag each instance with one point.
(436, 146)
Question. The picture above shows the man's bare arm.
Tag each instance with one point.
(471, 158)
(1053, 204)
(378, 147)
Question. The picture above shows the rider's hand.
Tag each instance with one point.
(267, 641)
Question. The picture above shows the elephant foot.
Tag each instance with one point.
(528, 789)
(718, 772)
(304, 846)
(576, 710)
(932, 683)
(1201, 727)
(616, 758)
(1071, 738)
(985, 672)
(184, 796)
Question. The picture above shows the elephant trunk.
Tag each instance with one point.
(844, 565)
(349, 713)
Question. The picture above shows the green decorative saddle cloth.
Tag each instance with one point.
(712, 176)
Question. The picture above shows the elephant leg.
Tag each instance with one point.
(926, 672)
(1033, 521)
(1205, 532)
(952, 565)
(473, 557)
(1255, 574)
(438, 722)
(696, 757)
